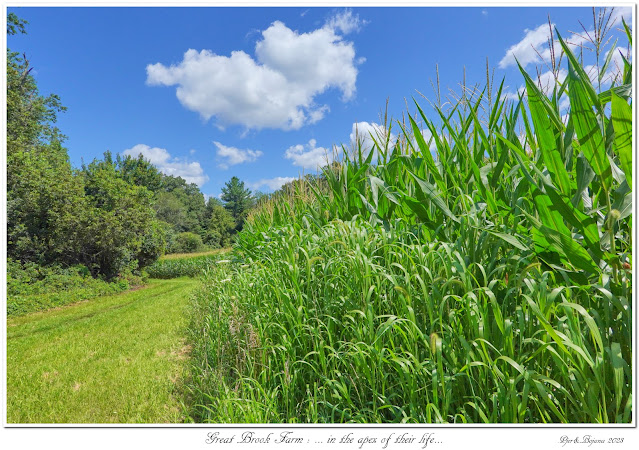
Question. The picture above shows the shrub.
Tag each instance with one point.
(187, 242)
(31, 287)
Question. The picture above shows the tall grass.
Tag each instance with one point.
(184, 265)
(475, 270)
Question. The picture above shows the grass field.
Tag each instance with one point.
(217, 251)
(113, 359)
(185, 264)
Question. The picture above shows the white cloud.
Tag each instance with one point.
(428, 138)
(514, 96)
(363, 133)
(277, 89)
(547, 81)
(535, 47)
(619, 12)
(192, 172)
(524, 50)
(309, 156)
(345, 22)
(272, 184)
(230, 156)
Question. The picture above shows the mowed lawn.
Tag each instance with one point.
(114, 359)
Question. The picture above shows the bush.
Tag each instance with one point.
(31, 287)
(154, 243)
(187, 242)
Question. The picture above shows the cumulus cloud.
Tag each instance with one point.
(277, 88)
(524, 50)
(428, 139)
(271, 184)
(192, 172)
(536, 47)
(547, 80)
(345, 22)
(363, 134)
(621, 12)
(309, 156)
(230, 156)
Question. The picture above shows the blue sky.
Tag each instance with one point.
(262, 93)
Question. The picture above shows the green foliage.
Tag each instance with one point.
(183, 267)
(170, 209)
(187, 242)
(42, 194)
(117, 219)
(44, 204)
(221, 226)
(15, 24)
(237, 200)
(100, 217)
(477, 269)
(139, 171)
(32, 287)
(154, 243)
(182, 206)
(30, 116)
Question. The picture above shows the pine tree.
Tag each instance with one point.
(237, 200)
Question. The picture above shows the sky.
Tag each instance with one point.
(265, 93)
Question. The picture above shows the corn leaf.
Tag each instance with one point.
(589, 135)
(622, 122)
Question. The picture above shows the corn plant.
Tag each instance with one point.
(476, 269)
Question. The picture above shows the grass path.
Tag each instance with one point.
(113, 359)
(194, 255)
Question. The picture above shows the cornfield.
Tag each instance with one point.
(476, 269)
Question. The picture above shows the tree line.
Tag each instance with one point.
(113, 215)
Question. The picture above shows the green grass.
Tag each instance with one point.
(114, 359)
(32, 288)
(194, 255)
(481, 274)
(185, 265)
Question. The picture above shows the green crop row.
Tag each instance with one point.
(183, 267)
(477, 269)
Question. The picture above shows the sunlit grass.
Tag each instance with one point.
(185, 265)
(478, 269)
(114, 359)
(194, 255)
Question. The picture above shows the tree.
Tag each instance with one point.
(30, 116)
(221, 225)
(100, 216)
(139, 171)
(171, 210)
(43, 195)
(190, 198)
(118, 217)
(237, 200)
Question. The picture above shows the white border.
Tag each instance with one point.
(83, 436)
